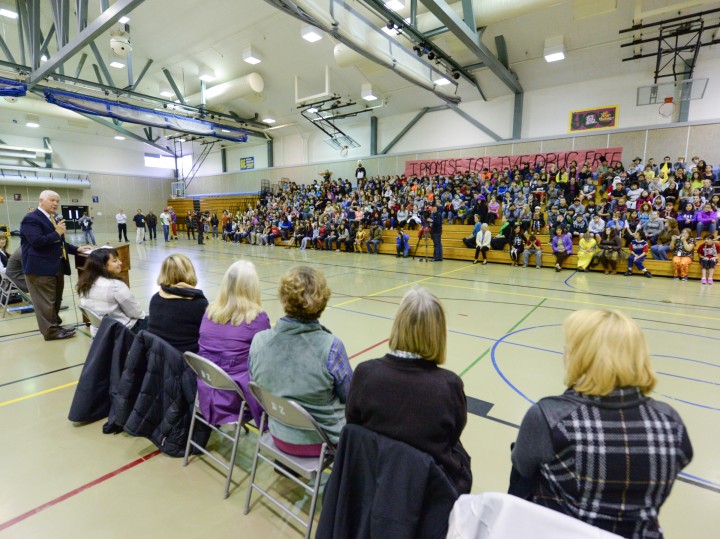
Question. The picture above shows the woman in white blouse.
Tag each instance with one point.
(102, 291)
(482, 243)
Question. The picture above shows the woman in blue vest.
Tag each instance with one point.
(301, 360)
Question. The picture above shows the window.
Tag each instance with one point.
(156, 160)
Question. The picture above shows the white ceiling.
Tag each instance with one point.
(177, 34)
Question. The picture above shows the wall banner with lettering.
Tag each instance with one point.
(594, 119)
(452, 166)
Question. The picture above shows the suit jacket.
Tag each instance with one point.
(42, 246)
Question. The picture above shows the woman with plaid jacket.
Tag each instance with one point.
(602, 452)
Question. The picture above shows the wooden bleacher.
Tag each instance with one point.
(454, 249)
(213, 205)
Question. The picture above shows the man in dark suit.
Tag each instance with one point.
(45, 263)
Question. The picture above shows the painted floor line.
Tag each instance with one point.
(74, 492)
(37, 394)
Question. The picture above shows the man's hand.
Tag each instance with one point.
(84, 249)
(60, 227)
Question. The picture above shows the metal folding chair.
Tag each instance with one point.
(216, 378)
(7, 290)
(94, 318)
(289, 413)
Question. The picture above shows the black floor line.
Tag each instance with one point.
(41, 374)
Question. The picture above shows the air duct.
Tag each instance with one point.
(248, 85)
(53, 183)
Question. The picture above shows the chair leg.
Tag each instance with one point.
(233, 455)
(316, 490)
(254, 464)
(196, 410)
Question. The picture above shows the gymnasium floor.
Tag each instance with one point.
(61, 480)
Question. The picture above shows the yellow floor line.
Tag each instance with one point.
(43, 392)
(610, 305)
(400, 286)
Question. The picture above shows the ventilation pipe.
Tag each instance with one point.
(247, 86)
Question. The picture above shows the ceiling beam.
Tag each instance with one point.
(469, 37)
(108, 17)
(482, 127)
(174, 86)
(142, 74)
(127, 133)
(6, 50)
(102, 64)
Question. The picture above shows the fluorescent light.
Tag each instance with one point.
(441, 81)
(310, 33)
(167, 93)
(32, 124)
(117, 64)
(32, 120)
(181, 140)
(124, 20)
(269, 120)
(43, 58)
(554, 49)
(205, 73)
(367, 93)
(8, 13)
(251, 55)
(312, 110)
(395, 5)
(119, 137)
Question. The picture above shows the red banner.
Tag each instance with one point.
(452, 166)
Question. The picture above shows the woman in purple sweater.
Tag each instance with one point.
(706, 220)
(226, 331)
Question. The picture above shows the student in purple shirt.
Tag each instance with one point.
(226, 331)
(706, 220)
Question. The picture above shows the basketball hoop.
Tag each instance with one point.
(344, 151)
(667, 108)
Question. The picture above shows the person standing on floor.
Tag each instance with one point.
(165, 222)
(436, 233)
(139, 220)
(45, 263)
(86, 224)
(151, 221)
(121, 219)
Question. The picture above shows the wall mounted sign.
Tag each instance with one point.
(247, 163)
(593, 119)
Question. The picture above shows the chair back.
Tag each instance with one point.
(95, 318)
(287, 412)
(210, 373)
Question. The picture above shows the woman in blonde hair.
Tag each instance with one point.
(299, 359)
(226, 331)
(405, 395)
(603, 452)
(177, 309)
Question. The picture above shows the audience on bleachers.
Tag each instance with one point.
(406, 396)
(101, 290)
(300, 359)
(177, 310)
(582, 197)
(231, 321)
(602, 452)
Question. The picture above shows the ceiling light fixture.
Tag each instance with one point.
(395, 5)
(32, 120)
(43, 58)
(312, 110)
(269, 120)
(367, 93)
(554, 49)
(124, 20)
(441, 81)
(10, 14)
(119, 137)
(166, 91)
(310, 33)
(205, 73)
(251, 55)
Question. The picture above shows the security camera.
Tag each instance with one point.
(11, 99)
(120, 43)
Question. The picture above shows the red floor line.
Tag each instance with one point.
(360, 353)
(67, 495)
